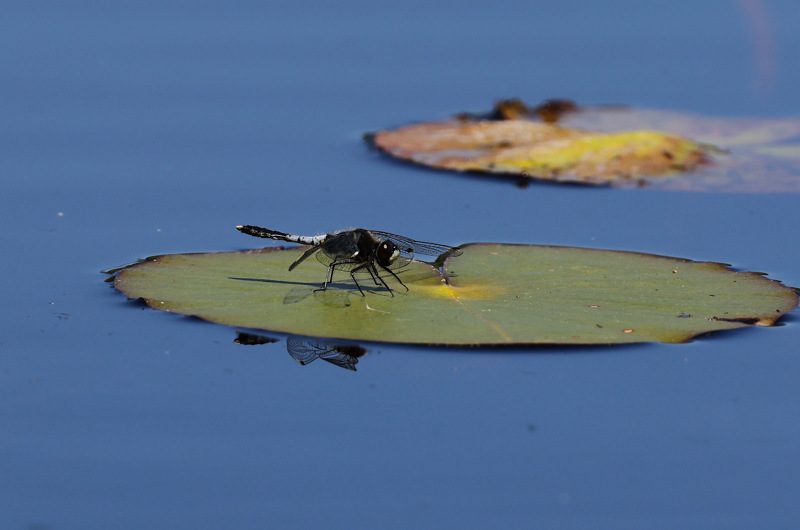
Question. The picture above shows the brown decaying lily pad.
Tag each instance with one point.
(542, 150)
(562, 142)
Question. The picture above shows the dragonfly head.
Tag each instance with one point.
(386, 253)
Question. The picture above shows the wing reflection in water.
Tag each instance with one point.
(306, 350)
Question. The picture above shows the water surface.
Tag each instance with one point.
(136, 129)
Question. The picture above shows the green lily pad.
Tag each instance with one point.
(492, 294)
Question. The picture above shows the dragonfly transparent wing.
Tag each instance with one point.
(408, 247)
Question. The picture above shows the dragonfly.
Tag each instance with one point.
(358, 250)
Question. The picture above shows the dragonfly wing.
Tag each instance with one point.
(408, 247)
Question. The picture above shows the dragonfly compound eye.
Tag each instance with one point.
(386, 253)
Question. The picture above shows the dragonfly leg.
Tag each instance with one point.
(372, 275)
(374, 272)
(328, 278)
(390, 271)
(353, 275)
(332, 266)
(306, 254)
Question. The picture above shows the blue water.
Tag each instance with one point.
(135, 128)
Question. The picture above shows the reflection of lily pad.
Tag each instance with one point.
(619, 146)
(492, 294)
